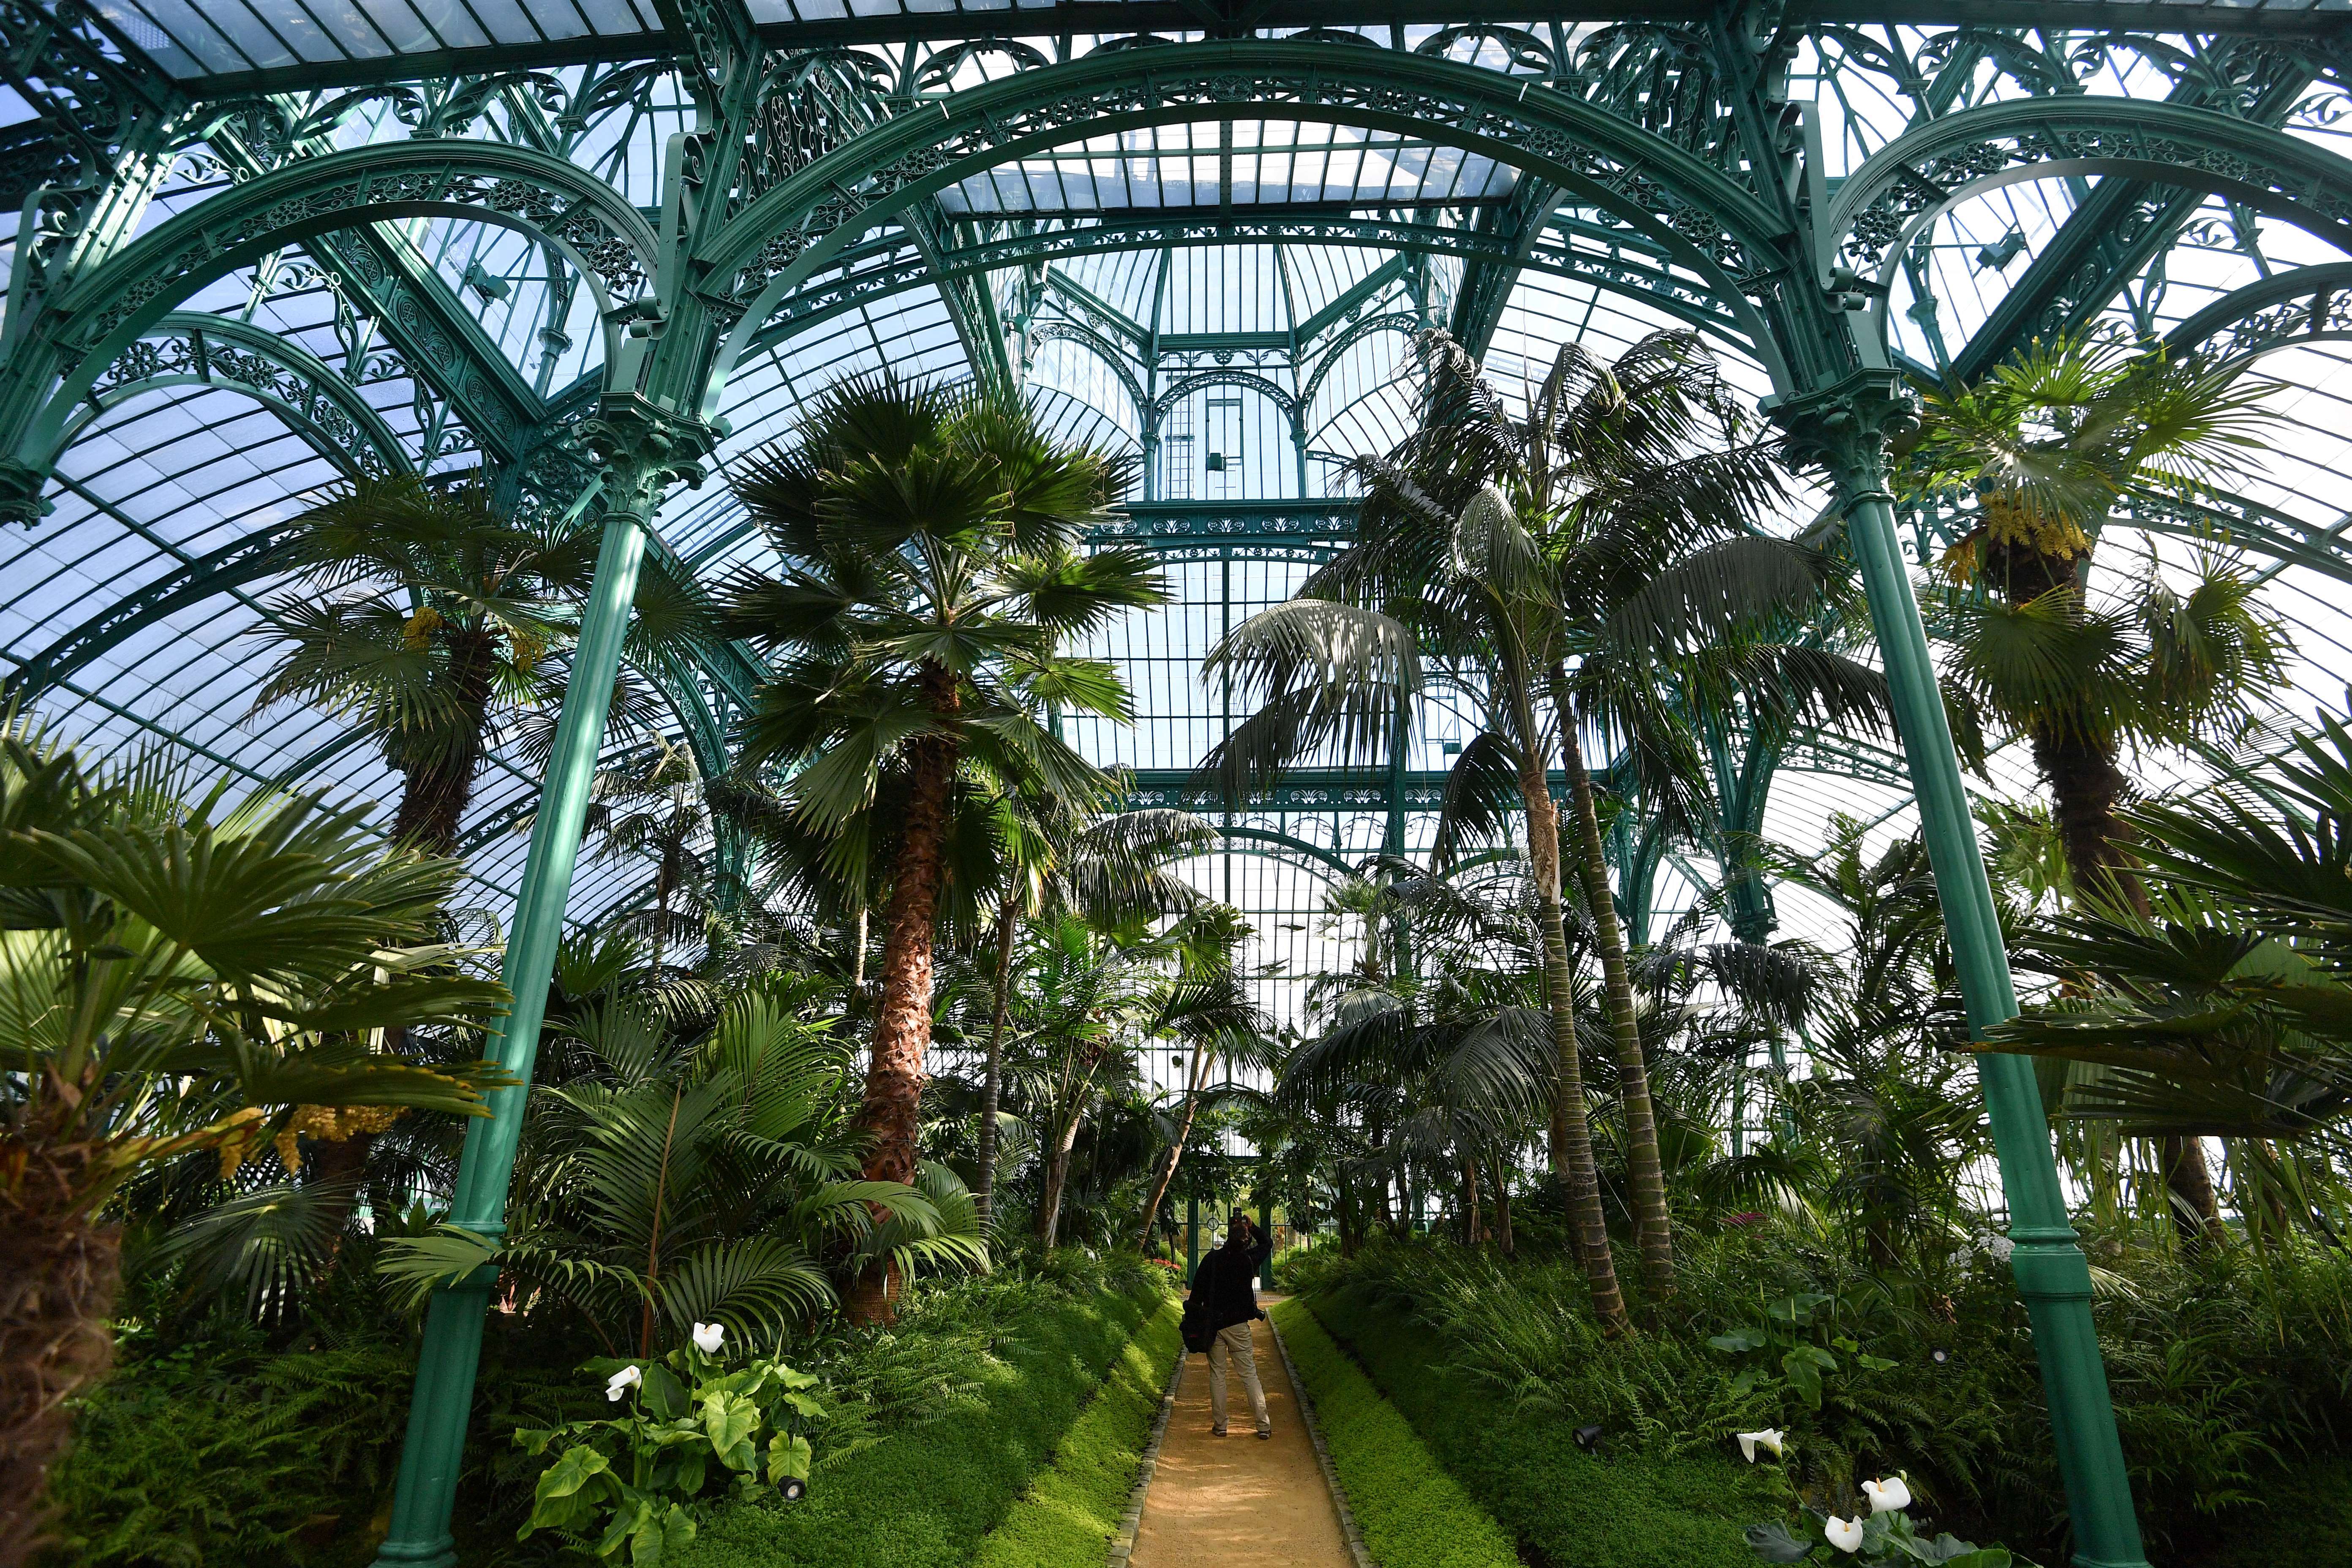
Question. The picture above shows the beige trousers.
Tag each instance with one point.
(1236, 1343)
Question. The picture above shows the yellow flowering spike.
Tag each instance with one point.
(2011, 518)
(417, 632)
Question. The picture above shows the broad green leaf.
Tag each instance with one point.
(664, 1394)
(1775, 1545)
(788, 1459)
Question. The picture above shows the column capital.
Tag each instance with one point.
(1844, 425)
(644, 447)
(21, 484)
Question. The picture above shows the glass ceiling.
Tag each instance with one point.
(1259, 361)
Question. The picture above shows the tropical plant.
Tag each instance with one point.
(1562, 555)
(2053, 444)
(655, 809)
(2222, 1008)
(1113, 870)
(179, 976)
(931, 572)
(690, 1422)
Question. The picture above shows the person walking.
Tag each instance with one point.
(1223, 1306)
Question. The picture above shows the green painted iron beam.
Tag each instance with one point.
(1486, 286)
(2121, 225)
(1083, 18)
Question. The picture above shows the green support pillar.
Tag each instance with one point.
(1845, 427)
(1192, 1239)
(643, 449)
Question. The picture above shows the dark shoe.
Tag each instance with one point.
(1265, 1436)
(1216, 1431)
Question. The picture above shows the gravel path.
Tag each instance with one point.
(1235, 1501)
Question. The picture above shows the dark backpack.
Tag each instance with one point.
(1198, 1335)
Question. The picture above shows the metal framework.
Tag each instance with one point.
(267, 243)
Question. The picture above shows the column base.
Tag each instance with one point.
(443, 1553)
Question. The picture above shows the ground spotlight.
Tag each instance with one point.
(1588, 1438)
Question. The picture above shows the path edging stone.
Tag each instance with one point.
(1348, 1529)
(1122, 1545)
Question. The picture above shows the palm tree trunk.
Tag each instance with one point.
(991, 1088)
(1470, 1215)
(1645, 1171)
(1573, 1135)
(890, 1113)
(57, 1338)
(2188, 1181)
(1057, 1173)
(438, 786)
(1503, 1237)
(1175, 1156)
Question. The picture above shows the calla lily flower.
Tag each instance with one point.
(1845, 1534)
(708, 1337)
(1770, 1437)
(1888, 1495)
(627, 1378)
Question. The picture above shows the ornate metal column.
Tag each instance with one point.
(1843, 427)
(642, 448)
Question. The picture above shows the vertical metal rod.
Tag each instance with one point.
(2053, 1275)
(434, 1451)
(1192, 1239)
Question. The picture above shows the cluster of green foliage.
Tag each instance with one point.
(1412, 1514)
(937, 1425)
(1618, 1508)
(1071, 1511)
(2228, 1374)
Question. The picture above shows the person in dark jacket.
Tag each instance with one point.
(1225, 1285)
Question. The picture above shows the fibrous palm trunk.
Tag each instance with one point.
(991, 1083)
(56, 1303)
(890, 1113)
(1057, 1173)
(1645, 1171)
(1571, 1153)
(1167, 1176)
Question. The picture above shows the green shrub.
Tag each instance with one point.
(1072, 1510)
(1412, 1514)
(936, 1425)
(1611, 1509)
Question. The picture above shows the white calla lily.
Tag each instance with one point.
(1888, 1495)
(1770, 1437)
(1845, 1534)
(627, 1378)
(708, 1337)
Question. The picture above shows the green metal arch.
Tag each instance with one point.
(1312, 852)
(1691, 210)
(551, 201)
(1923, 173)
(2287, 309)
(189, 348)
(1249, 381)
(1404, 322)
(1095, 344)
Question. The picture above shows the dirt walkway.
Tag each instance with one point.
(1235, 1501)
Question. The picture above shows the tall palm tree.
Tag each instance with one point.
(931, 570)
(1209, 1013)
(424, 618)
(173, 977)
(1558, 559)
(654, 807)
(2053, 444)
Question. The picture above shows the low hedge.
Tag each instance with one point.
(1072, 1510)
(925, 1491)
(1564, 1505)
(1412, 1514)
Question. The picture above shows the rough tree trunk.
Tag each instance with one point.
(1645, 1172)
(1058, 1174)
(2196, 1213)
(1573, 1135)
(1503, 1237)
(991, 1088)
(57, 1301)
(890, 1113)
(1176, 1151)
(1470, 1215)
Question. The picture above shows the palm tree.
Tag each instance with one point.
(424, 618)
(173, 977)
(699, 1171)
(1208, 1012)
(931, 570)
(655, 808)
(2054, 443)
(1111, 870)
(1559, 559)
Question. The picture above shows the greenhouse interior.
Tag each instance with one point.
(772, 772)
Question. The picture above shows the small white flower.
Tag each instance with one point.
(708, 1337)
(1845, 1534)
(627, 1378)
(1888, 1495)
(1770, 1437)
